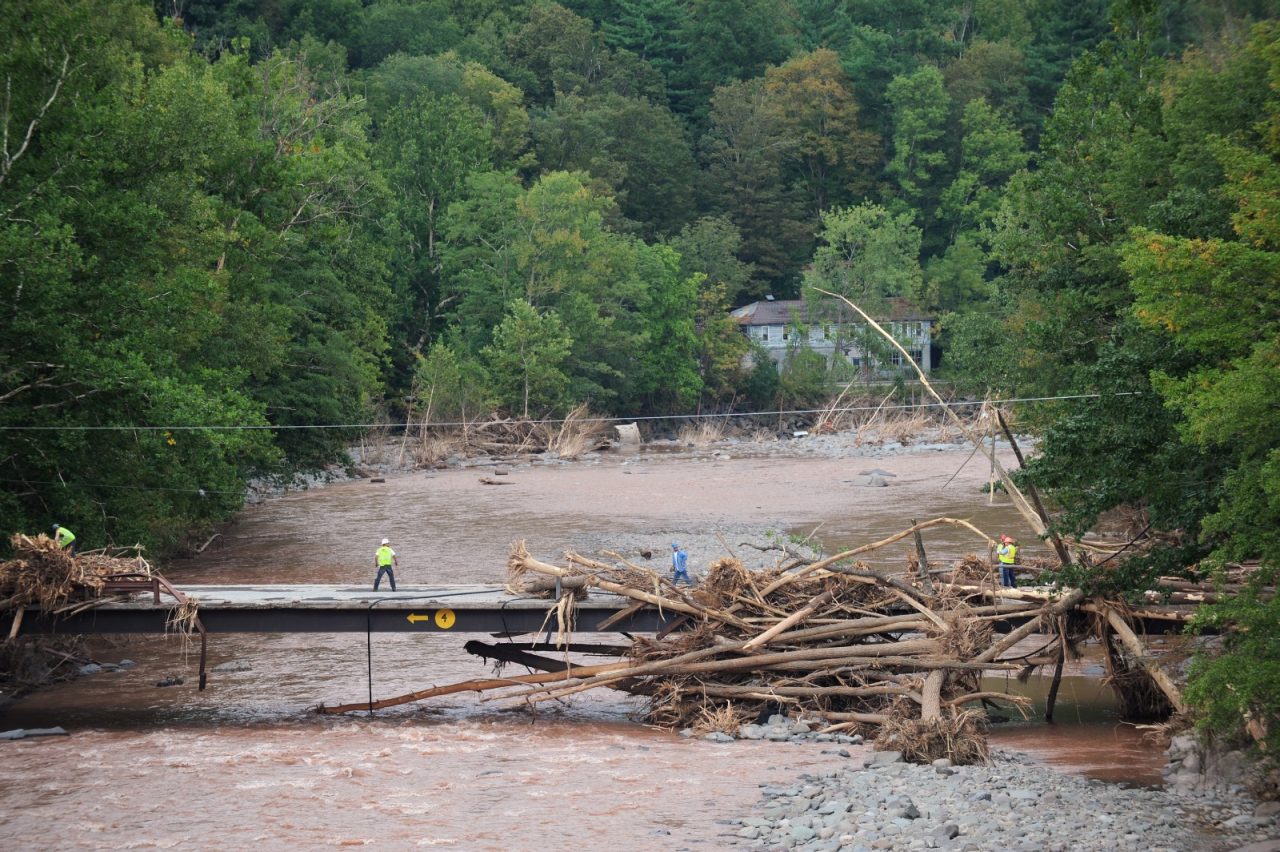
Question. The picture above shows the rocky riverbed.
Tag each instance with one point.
(1012, 804)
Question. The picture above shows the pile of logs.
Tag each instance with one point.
(897, 656)
(43, 574)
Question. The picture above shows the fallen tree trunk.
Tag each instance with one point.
(1140, 654)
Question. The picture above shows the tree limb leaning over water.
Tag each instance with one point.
(1019, 501)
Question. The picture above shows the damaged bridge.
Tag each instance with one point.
(343, 609)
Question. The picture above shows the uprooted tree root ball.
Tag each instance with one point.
(957, 736)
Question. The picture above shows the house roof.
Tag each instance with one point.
(781, 311)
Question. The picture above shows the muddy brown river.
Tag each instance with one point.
(245, 764)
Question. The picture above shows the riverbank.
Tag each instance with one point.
(1013, 804)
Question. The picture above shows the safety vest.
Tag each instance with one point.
(64, 536)
(1008, 553)
(386, 556)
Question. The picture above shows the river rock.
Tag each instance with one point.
(24, 733)
(232, 666)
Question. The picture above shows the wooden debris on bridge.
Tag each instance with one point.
(897, 656)
(45, 576)
(42, 574)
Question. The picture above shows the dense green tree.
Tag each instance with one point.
(526, 360)
(308, 271)
(1217, 297)
(996, 73)
(991, 152)
(745, 151)
(919, 105)
(867, 255)
(1062, 31)
(651, 29)
(723, 349)
(550, 246)
(728, 40)
(892, 39)
(1122, 204)
(816, 109)
(636, 149)
(669, 377)
(400, 80)
(557, 51)
(709, 247)
(956, 280)
(428, 147)
(449, 385)
(822, 23)
(110, 242)
(413, 27)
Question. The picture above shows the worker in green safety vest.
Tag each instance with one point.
(1007, 553)
(386, 561)
(65, 538)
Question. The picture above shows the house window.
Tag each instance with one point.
(764, 332)
(915, 355)
(818, 332)
(786, 332)
(895, 358)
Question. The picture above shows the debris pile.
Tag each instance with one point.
(896, 657)
(44, 575)
(831, 641)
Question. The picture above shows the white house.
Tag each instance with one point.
(831, 329)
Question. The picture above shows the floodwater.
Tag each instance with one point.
(245, 762)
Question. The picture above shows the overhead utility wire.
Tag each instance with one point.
(551, 420)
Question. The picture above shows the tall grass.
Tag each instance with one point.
(702, 433)
(577, 435)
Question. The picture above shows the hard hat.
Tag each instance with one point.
(675, 546)
(55, 527)
(386, 541)
(1005, 538)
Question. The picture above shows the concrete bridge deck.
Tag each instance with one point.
(264, 608)
(346, 609)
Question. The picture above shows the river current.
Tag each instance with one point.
(245, 763)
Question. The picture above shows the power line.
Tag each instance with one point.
(197, 490)
(555, 420)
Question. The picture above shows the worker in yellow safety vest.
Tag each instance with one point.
(65, 538)
(386, 562)
(1007, 553)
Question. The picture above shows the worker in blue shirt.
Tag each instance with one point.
(679, 565)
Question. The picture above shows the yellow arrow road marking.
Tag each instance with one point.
(414, 617)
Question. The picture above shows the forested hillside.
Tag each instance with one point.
(298, 213)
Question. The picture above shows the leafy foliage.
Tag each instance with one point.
(1239, 689)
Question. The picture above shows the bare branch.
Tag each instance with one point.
(7, 159)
